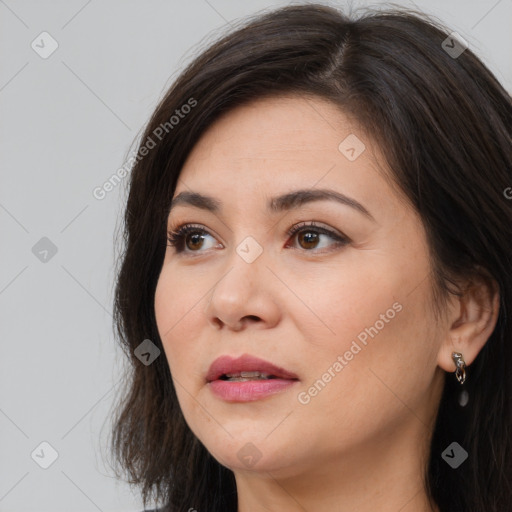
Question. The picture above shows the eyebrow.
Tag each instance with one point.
(289, 201)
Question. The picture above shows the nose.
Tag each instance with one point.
(244, 295)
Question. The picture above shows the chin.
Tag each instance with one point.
(254, 453)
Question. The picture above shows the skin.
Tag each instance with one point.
(362, 441)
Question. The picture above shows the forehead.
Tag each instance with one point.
(290, 127)
(285, 132)
(275, 145)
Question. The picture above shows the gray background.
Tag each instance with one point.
(67, 124)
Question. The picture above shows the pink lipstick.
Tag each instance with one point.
(247, 378)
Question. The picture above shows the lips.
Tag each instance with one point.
(246, 363)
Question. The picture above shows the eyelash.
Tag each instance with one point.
(176, 238)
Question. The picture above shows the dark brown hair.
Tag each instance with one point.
(443, 123)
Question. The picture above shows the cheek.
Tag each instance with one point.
(345, 297)
(369, 294)
(385, 368)
(376, 317)
(179, 317)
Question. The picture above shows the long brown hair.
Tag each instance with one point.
(443, 123)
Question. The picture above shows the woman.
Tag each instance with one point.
(316, 284)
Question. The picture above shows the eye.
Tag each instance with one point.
(309, 235)
(190, 237)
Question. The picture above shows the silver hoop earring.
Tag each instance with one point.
(460, 371)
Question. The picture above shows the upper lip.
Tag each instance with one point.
(245, 363)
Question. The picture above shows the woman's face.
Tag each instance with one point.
(344, 305)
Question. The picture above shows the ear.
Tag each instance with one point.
(471, 320)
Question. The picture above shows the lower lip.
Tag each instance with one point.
(250, 390)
